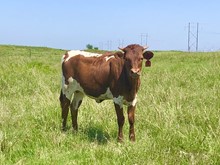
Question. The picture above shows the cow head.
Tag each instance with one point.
(133, 57)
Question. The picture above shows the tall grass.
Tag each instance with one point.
(177, 117)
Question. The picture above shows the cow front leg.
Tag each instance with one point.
(131, 112)
(121, 120)
(64, 103)
(77, 100)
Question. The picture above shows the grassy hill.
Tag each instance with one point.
(177, 117)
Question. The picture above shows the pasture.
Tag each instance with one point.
(177, 116)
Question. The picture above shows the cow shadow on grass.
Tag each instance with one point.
(96, 134)
(93, 134)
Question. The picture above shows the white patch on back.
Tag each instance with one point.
(109, 57)
(73, 53)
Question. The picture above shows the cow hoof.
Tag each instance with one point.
(75, 129)
(132, 138)
(120, 140)
(64, 129)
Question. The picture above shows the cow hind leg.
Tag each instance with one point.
(64, 103)
(76, 102)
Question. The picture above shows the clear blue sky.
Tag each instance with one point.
(72, 24)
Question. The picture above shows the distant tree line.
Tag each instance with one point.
(89, 46)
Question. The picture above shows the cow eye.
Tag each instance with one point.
(141, 59)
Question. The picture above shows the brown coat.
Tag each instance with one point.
(109, 76)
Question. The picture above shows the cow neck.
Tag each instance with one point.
(132, 84)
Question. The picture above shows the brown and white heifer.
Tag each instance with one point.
(113, 76)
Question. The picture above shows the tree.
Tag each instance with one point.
(89, 46)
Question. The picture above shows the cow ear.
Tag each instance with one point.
(148, 55)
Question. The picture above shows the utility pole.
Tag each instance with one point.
(101, 45)
(109, 44)
(193, 37)
(197, 37)
(189, 37)
(144, 37)
(120, 43)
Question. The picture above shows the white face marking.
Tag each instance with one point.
(73, 53)
(69, 89)
(109, 57)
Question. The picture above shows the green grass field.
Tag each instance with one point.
(177, 117)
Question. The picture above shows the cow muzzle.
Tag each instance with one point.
(135, 73)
